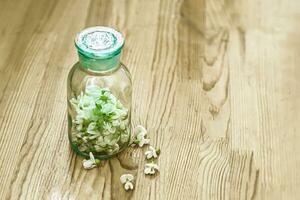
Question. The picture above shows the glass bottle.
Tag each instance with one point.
(99, 95)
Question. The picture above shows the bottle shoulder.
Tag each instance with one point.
(117, 80)
(78, 69)
(126, 71)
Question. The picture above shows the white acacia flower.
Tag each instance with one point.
(151, 153)
(79, 127)
(116, 123)
(91, 128)
(127, 180)
(108, 108)
(128, 186)
(124, 137)
(119, 113)
(143, 141)
(99, 148)
(140, 134)
(112, 130)
(93, 90)
(110, 140)
(112, 98)
(100, 141)
(123, 124)
(107, 126)
(123, 112)
(105, 133)
(86, 102)
(84, 114)
(78, 120)
(89, 163)
(151, 168)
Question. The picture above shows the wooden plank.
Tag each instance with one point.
(215, 83)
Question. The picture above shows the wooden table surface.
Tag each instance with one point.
(216, 83)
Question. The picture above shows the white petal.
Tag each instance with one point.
(88, 164)
(126, 177)
(128, 186)
(151, 148)
(108, 108)
(123, 179)
(140, 131)
(148, 154)
(142, 142)
(154, 153)
(152, 171)
(91, 127)
(152, 167)
(106, 133)
(147, 170)
(151, 152)
(107, 126)
(122, 126)
(112, 129)
(92, 158)
(133, 144)
(146, 141)
(115, 123)
(79, 127)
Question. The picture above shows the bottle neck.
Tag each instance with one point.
(93, 64)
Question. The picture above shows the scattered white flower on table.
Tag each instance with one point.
(127, 180)
(140, 136)
(151, 168)
(152, 152)
(90, 163)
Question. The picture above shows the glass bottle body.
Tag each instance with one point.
(99, 109)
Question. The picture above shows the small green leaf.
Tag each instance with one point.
(98, 105)
(104, 98)
(158, 151)
(97, 161)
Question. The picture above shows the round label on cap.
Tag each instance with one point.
(99, 42)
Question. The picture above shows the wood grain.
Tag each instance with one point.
(215, 83)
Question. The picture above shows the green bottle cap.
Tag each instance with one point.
(99, 42)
